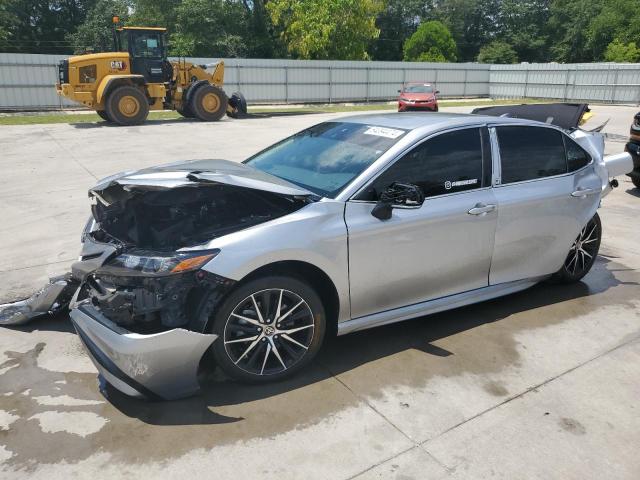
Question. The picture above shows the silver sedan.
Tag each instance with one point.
(344, 226)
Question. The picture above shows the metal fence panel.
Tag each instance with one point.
(594, 82)
(26, 80)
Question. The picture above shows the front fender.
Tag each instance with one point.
(109, 81)
(315, 234)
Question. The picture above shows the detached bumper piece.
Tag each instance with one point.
(50, 299)
(157, 366)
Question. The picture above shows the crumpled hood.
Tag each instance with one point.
(179, 174)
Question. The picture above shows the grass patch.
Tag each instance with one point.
(56, 117)
(70, 118)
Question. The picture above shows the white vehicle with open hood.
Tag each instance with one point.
(347, 225)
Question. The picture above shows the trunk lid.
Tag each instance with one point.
(563, 115)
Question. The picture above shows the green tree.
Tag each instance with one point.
(618, 19)
(523, 25)
(155, 13)
(222, 28)
(568, 26)
(472, 23)
(397, 22)
(497, 52)
(317, 29)
(210, 28)
(620, 52)
(38, 26)
(96, 32)
(7, 19)
(432, 42)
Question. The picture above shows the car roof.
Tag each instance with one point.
(431, 121)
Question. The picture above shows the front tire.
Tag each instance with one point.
(268, 329)
(209, 103)
(636, 181)
(583, 253)
(127, 105)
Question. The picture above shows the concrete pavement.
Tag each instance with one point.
(540, 384)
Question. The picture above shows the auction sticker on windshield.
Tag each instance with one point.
(383, 132)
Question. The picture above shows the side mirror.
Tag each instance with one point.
(437, 92)
(397, 194)
(382, 211)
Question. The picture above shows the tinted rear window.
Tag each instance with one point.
(528, 153)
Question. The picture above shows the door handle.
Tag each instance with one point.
(481, 209)
(583, 192)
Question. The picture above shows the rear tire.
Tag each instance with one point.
(127, 105)
(583, 253)
(636, 181)
(185, 111)
(209, 103)
(103, 115)
(274, 349)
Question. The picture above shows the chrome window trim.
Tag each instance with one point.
(496, 163)
(407, 149)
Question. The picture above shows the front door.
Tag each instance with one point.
(546, 194)
(440, 248)
(147, 58)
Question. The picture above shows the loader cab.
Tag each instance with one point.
(147, 49)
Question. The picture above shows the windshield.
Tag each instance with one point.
(418, 89)
(326, 157)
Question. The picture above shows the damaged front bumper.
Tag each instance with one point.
(49, 300)
(143, 333)
(157, 366)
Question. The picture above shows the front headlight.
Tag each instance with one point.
(147, 263)
(88, 228)
(404, 99)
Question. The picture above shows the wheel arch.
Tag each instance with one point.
(311, 274)
(110, 82)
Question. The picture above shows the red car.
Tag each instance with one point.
(417, 96)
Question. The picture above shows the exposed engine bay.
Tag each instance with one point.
(169, 219)
(140, 288)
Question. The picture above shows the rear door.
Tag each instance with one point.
(440, 248)
(546, 191)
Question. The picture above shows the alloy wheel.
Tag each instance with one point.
(584, 250)
(269, 331)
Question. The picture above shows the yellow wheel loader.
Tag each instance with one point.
(122, 86)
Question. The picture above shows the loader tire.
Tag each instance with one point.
(239, 106)
(127, 105)
(185, 111)
(209, 103)
(103, 115)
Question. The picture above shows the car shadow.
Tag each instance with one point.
(634, 191)
(343, 354)
(169, 121)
